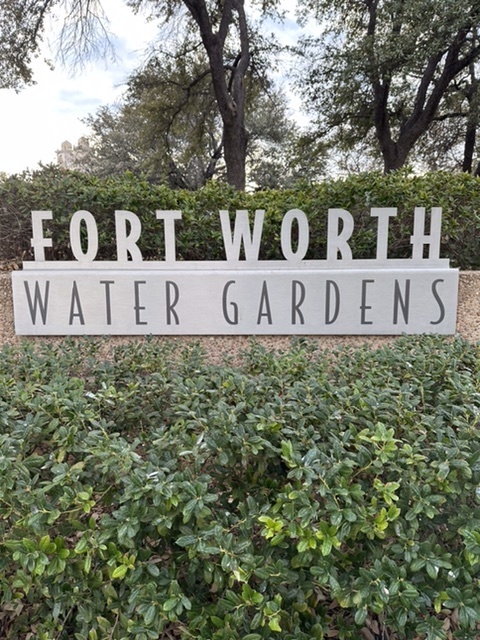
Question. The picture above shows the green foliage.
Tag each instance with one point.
(166, 127)
(19, 41)
(295, 495)
(198, 234)
(376, 71)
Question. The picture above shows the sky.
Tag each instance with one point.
(35, 121)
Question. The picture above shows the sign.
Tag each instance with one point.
(240, 295)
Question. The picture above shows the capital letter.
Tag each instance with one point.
(172, 304)
(127, 243)
(331, 318)
(296, 304)
(108, 304)
(439, 302)
(169, 218)
(242, 234)
(403, 301)
(337, 242)
(138, 307)
(76, 240)
(419, 240)
(364, 306)
(286, 235)
(234, 305)
(37, 302)
(75, 306)
(38, 242)
(264, 307)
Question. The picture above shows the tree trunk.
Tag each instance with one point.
(394, 153)
(394, 156)
(472, 122)
(469, 147)
(235, 151)
(228, 80)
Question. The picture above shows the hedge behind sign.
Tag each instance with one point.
(198, 233)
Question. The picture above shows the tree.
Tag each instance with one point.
(221, 26)
(167, 126)
(159, 130)
(22, 23)
(451, 140)
(179, 126)
(226, 36)
(387, 66)
(113, 143)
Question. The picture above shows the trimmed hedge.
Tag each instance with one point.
(199, 234)
(293, 495)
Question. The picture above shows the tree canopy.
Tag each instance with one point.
(21, 26)
(83, 35)
(222, 29)
(379, 78)
(225, 32)
(387, 67)
(167, 128)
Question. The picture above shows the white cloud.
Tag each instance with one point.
(34, 122)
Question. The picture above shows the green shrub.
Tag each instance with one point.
(293, 495)
(199, 232)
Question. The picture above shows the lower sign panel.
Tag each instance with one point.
(237, 302)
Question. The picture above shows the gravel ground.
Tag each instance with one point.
(468, 325)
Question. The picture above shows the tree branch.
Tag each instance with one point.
(84, 35)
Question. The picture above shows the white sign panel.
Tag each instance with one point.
(294, 296)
